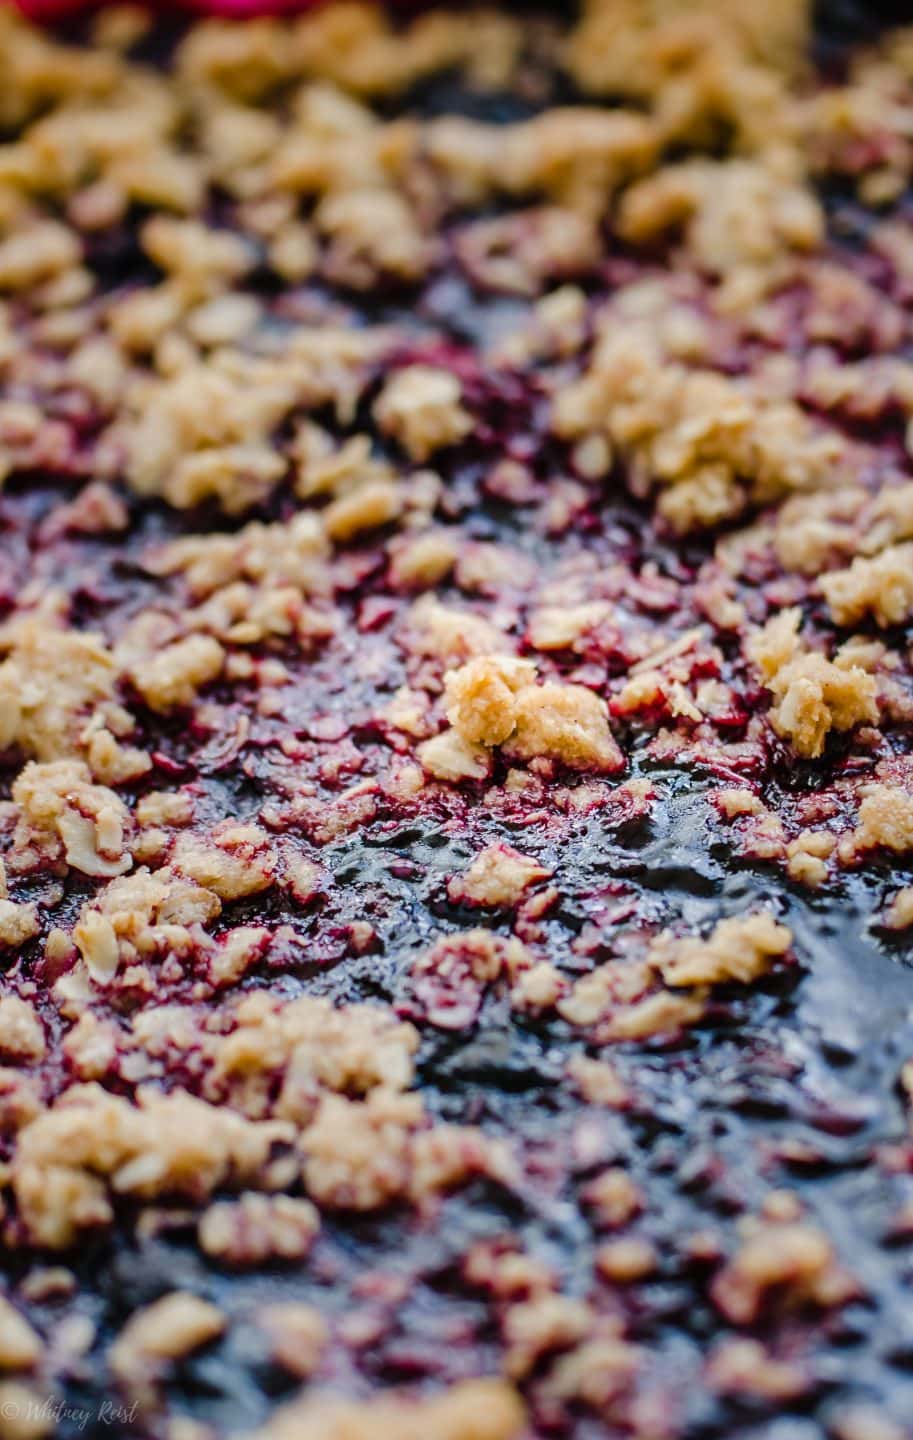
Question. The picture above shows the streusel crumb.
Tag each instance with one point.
(456, 688)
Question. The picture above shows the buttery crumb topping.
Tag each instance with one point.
(456, 688)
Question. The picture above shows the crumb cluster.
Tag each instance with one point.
(457, 525)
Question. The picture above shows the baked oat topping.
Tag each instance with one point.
(456, 689)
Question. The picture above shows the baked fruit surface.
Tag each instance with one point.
(456, 584)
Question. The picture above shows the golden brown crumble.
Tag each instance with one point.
(352, 1050)
(793, 1262)
(738, 213)
(232, 860)
(881, 587)
(20, 1346)
(704, 439)
(256, 1227)
(497, 877)
(420, 407)
(548, 1322)
(471, 1410)
(298, 1336)
(22, 1037)
(813, 695)
(495, 701)
(173, 678)
(173, 1144)
(54, 683)
(137, 916)
(598, 1081)
(614, 1197)
(686, 334)
(357, 1154)
(626, 1260)
(885, 819)
(740, 950)
(61, 816)
(744, 1367)
(621, 1002)
(159, 1334)
(18, 923)
(899, 914)
(538, 988)
(481, 697)
(599, 1371)
(449, 757)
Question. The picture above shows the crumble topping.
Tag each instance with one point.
(54, 684)
(481, 697)
(22, 1346)
(420, 407)
(739, 950)
(471, 1410)
(813, 695)
(900, 911)
(881, 587)
(257, 1228)
(18, 923)
(61, 815)
(498, 876)
(21, 1032)
(494, 700)
(455, 699)
(167, 1144)
(787, 1263)
(133, 917)
(298, 1335)
(886, 818)
(160, 1334)
(173, 678)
